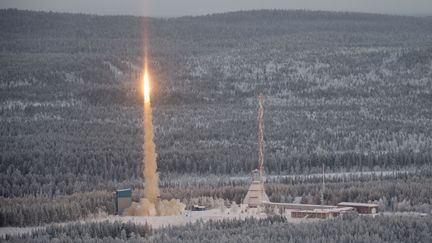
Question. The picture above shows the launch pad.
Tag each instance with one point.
(257, 197)
(256, 194)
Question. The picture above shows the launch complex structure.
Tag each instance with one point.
(256, 194)
(256, 197)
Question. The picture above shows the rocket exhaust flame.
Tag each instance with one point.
(151, 205)
(151, 188)
(146, 87)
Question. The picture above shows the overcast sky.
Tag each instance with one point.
(168, 8)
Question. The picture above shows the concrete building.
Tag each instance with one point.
(362, 208)
(320, 213)
(313, 214)
(198, 208)
(123, 200)
(297, 206)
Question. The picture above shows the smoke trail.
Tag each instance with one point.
(151, 187)
(151, 205)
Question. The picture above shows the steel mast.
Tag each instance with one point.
(261, 134)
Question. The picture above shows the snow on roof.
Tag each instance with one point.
(325, 210)
(299, 205)
(124, 193)
(354, 204)
(122, 190)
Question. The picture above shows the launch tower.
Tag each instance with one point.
(256, 194)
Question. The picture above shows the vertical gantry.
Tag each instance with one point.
(261, 133)
(256, 195)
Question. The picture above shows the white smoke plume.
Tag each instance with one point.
(151, 188)
(151, 205)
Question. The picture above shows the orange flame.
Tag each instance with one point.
(146, 87)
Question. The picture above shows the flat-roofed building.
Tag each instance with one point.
(198, 208)
(123, 200)
(313, 214)
(362, 208)
(320, 213)
(296, 206)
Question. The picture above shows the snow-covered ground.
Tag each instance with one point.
(187, 217)
(162, 221)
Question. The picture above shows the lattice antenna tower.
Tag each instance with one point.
(323, 185)
(261, 134)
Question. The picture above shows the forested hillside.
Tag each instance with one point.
(350, 91)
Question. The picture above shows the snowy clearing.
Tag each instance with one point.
(161, 221)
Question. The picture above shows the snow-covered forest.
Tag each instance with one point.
(348, 90)
(272, 229)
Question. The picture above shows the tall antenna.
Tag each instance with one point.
(261, 134)
(323, 185)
